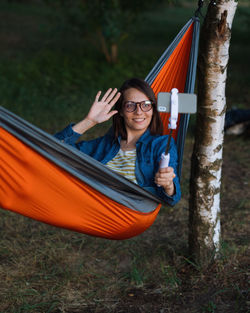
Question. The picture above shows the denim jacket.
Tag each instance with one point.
(148, 153)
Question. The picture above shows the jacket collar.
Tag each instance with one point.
(142, 139)
(144, 136)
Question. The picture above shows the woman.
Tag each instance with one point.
(133, 146)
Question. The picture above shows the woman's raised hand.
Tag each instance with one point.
(100, 110)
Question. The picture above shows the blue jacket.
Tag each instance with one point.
(148, 150)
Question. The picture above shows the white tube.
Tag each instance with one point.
(165, 158)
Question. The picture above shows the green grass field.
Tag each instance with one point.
(49, 77)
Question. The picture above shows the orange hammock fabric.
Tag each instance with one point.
(173, 74)
(31, 188)
(32, 185)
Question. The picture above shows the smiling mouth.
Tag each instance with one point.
(139, 119)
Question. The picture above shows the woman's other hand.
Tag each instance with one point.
(100, 110)
(164, 177)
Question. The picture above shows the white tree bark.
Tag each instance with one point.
(205, 229)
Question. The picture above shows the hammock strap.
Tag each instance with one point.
(198, 11)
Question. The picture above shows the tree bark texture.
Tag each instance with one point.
(206, 163)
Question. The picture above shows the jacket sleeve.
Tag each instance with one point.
(171, 200)
(70, 137)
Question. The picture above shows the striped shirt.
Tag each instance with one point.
(124, 164)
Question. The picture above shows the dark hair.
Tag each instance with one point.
(155, 127)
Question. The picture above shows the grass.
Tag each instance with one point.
(49, 78)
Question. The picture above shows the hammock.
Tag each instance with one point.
(51, 182)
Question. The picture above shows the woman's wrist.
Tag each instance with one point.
(170, 190)
(83, 126)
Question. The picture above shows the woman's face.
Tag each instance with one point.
(137, 121)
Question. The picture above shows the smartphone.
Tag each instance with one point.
(187, 102)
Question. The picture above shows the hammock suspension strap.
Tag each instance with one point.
(200, 5)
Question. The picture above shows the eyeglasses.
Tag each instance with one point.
(130, 106)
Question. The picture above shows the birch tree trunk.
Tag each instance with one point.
(204, 216)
